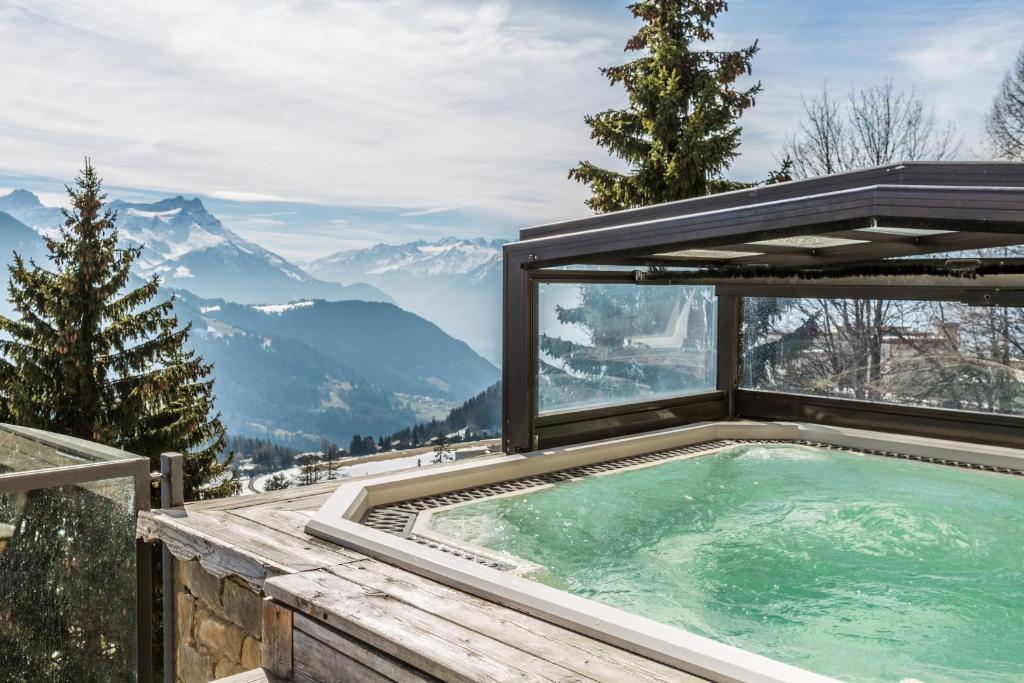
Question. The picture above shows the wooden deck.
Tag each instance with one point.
(380, 622)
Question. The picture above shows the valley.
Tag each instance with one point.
(303, 355)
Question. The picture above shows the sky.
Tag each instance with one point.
(316, 125)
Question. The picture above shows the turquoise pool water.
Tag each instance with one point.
(859, 567)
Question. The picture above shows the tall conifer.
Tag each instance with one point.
(679, 134)
(89, 355)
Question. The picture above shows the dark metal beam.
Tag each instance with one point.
(583, 276)
(987, 210)
(814, 290)
(605, 423)
(962, 174)
(730, 309)
(1001, 430)
(518, 372)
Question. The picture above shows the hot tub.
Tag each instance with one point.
(734, 550)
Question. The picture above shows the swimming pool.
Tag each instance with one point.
(739, 551)
(860, 567)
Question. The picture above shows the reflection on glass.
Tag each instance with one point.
(621, 343)
(932, 354)
(67, 583)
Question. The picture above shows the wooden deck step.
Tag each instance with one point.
(254, 676)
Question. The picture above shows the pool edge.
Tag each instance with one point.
(338, 521)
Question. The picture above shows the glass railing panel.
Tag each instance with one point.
(68, 583)
(29, 450)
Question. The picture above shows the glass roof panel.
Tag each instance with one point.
(909, 232)
(710, 254)
(808, 242)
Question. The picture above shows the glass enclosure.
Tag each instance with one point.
(610, 344)
(917, 353)
(68, 583)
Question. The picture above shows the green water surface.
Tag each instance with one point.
(859, 567)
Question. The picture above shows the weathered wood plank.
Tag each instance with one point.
(585, 656)
(315, 662)
(270, 497)
(217, 555)
(277, 639)
(385, 665)
(291, 522)
(439, 647)
(227, 544)
(275, 535)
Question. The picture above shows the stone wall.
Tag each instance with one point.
(219, 625)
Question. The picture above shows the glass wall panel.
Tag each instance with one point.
(930, 354)
(607, 344)
(67, 583)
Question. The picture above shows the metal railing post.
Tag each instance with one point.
(143, 581)
(172, 495)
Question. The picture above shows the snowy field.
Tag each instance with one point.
(361, 469)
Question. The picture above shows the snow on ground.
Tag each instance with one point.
(363, 469)
(281, 308)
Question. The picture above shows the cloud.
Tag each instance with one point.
(390, 102)
(476, 104)
(960, 67)
(429, 212)
(240, 196)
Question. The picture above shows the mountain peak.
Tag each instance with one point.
(169, 204)
(20, 199)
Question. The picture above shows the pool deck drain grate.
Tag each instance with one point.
(398, 518)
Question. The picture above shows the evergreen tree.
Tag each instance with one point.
(679, 134)
(87, 356)
(442, 450)
(278, 482)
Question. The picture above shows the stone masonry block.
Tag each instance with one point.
(252, 655)
(194, 666)
(243, 607)
(204, 586)
(218, 637)
(184, 609)
(227, 668)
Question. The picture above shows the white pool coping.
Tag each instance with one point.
(338, 521)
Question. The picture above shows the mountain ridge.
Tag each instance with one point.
(391, 347)
(453, 282)
(190, 248)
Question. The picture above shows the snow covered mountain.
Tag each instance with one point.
(447, 256)
(191, 249)
(455, 283)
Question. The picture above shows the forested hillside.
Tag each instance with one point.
(480, 416)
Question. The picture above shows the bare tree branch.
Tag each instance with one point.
(875, 125)
(1005, 124)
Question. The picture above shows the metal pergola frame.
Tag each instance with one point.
(863, 219)
(103, 463)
